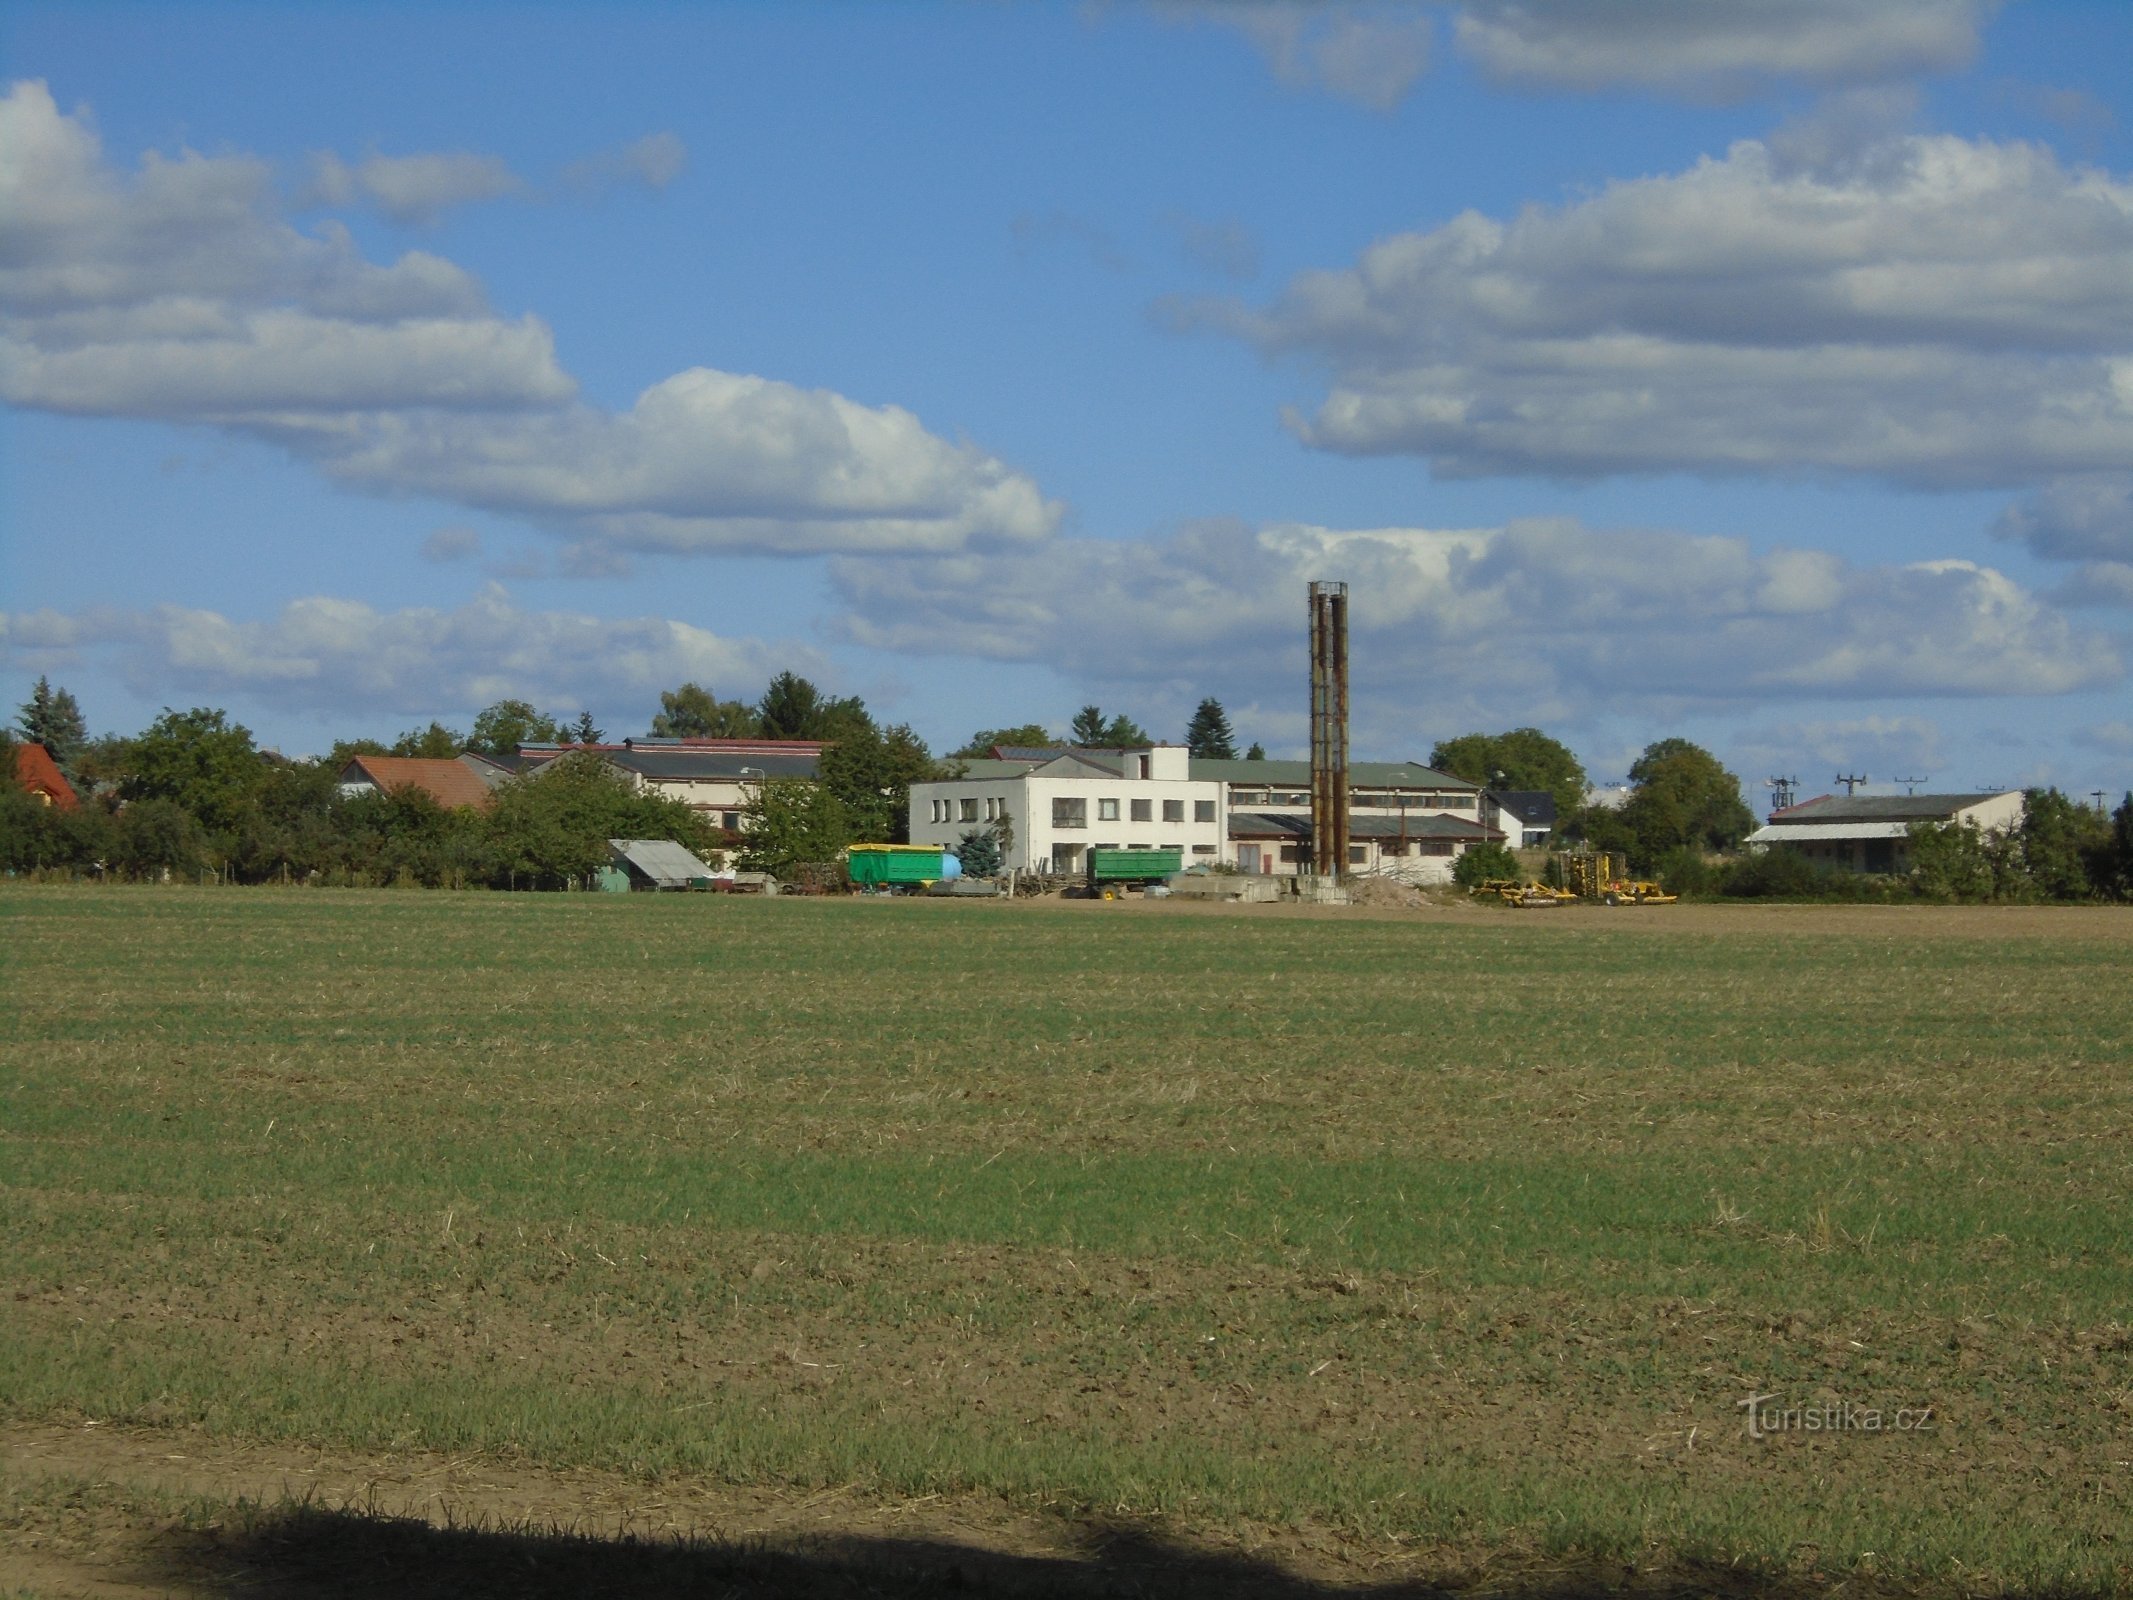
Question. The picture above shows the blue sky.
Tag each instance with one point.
(1760, 373)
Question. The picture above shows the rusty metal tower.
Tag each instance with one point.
(1329, 729)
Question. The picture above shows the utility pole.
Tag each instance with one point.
(1910, 785)
(1783, 791)
(1851, 781)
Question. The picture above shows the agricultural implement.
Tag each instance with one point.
(899, 868)
(1111, 871)
(1526, 896)
(1603, 875)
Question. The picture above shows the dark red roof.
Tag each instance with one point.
(449, 781)
(37, 772)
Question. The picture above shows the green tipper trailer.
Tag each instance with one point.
(1119, 869)
(876, 865)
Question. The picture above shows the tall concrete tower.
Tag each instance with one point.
(1329, 729)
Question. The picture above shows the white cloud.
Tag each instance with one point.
(654, 161)
(325, 654)
(1226, 247)
(2075, 519)
(1932, 310)
(1371, 54)
(181, 295)
(1720, 50)
(1539, 620)
(1882, 747)
(417, 188)
(451, 544)
(2113, 737)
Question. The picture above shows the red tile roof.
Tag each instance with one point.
(449, 782)
(37, 772)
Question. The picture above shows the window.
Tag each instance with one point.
(1436, 847)
(1358, 854)
(1203, 811)
(1292, 854)
(1070, 813)
(1107, 811)
(1393, 847)
(992, 810)
(1173, 811)
(1143, 810)
(1208, 850)
(730, 821)
(970, 811)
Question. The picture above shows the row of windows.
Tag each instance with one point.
(966, 810)
(1074, 813)
(1361, 799)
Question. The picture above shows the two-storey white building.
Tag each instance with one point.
(1052, 811)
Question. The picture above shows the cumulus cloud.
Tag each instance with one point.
(413, 189)
(1717, 51)
(1880, 746)
(451, 544)
(181, 295)
(1933, 310)
(324, 654)
(1226, 246)
(1541, 619)
(652, 162)
(2075, 519)
(1371, 54)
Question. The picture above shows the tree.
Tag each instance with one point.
(793, 708)
(2111, 861)
(52, 717)
(503, 727)
(550, 826)
(1682, 796)
(981, 743)
(789, 822)
(694, 712)
(870, 770)
(1256, 753)
(584, 730)
(200, 761)
(1207, 736)
(1524, 758)
(2057, 840)
(1480, 862)
(1950, 861)
(1091, 731)
(437, 742)
(979, 852)
(155, 836)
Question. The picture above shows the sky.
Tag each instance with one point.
(1759, 374)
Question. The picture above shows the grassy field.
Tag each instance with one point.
(1445, 1236)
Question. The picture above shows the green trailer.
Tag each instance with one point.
(883, 866)
(1115, 870)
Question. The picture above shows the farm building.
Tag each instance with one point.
(466, 780)
(1405, 820)
(1059, 803)
(654, 864)
(37, 772)
(1526, 816)
(1871, 833)
(711, 776)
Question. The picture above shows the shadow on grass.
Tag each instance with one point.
(306, 1553)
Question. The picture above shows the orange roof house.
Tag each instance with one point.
(458, 781)
(37, 772)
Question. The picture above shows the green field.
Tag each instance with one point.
(1464, 1231)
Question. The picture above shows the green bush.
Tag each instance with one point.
(1481, 862)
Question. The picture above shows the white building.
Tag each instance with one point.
(1056, 808)
(1405, 820)
(1872, 832)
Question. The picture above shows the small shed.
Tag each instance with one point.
(658, 864)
